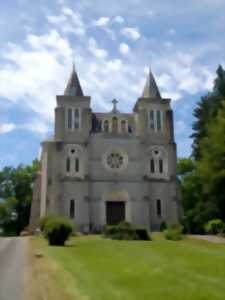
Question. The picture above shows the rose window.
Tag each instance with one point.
(115, 160)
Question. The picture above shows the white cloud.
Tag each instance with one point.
(124, 48)
(33, 75)
(131, 32)
(101, 22)
(119, 19)
(95, 50)
(174, 96)
(114, 65)
(7, 127)
(38, 126)
(69, 21)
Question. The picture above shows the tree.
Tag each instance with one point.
(212, 165)
(16, 192)
(207, 110)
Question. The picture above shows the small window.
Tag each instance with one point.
(76, 118)
(152, 165)
(151, 115)
(160, 165)
(77, 165)
(68, 164)
(106, 126)
(158, 208)
(114, 125)
(123, 126)
(72, 209)
(159, 120)
(69, 118)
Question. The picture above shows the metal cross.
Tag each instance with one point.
(114, 102)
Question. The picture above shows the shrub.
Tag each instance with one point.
(163, 226)
(142, 234)
(43, 221)
(125, 231)
(215, 226)
(57, 230)
(174, 232)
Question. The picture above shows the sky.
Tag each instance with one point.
(112, 43)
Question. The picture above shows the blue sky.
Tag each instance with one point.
(112, 44)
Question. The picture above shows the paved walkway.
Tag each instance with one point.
(210, 238)
(13, 268)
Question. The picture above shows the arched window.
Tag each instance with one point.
(123, 126)
(160, 165)
(158, 208)
(74, 161)
(68, 165)
(72, 209)
(72, 118)
(156, 120)
(114, 125)
(152, 119)
(76, 118)
(159, 120)
(77, 164)
(106, 126)
(158, 158)
(152, 165)
(69, 118)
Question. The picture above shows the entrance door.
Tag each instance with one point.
(115, 212)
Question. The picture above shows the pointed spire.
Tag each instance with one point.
(151, 89)
(73, 87)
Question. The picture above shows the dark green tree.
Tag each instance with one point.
(16, 195)
(206, 110)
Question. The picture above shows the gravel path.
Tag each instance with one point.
(13, 268)
(210, 238)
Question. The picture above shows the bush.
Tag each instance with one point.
(142, 234)
(215, 226)
(125, 231)
(57, 230)
(174, 232)
(163, 226)
(43, 221)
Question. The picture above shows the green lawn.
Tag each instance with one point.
(100, 269)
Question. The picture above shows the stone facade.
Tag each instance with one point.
(103, 167)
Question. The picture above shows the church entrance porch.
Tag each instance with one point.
(115, 212)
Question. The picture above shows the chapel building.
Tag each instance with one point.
(102, 168)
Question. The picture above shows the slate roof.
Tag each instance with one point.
(151, 89)
(73, 87)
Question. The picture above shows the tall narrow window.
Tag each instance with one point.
(123, 126)
(77, 165)
(114, 125)
(158, 208)
(152, 165)
(72, 209)
(69, 118)
(160, 165)
(106, 126)
(68, 165)
(159, 120)
(152, 122)
(76, 118)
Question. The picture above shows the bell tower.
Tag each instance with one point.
(72, 114)
(153, 115)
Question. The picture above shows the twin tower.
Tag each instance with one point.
(102, 168)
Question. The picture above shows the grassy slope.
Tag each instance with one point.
(111, 270)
